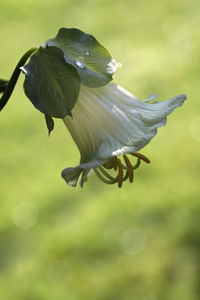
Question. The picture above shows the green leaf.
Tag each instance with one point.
(51, 84)
(49, 123)
(93, 62)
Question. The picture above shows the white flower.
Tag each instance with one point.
(109, 121)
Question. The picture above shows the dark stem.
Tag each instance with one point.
(15, 75)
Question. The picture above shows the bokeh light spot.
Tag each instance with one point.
(133, 241)
(25, 215)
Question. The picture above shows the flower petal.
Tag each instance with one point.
(71, 175)
(84, 176)
(109, 121)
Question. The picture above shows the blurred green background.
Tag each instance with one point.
(142, 241)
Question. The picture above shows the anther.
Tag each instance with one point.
(129, 168)
(141, 156)
(120, 173)
(111, 163)
(115, 163)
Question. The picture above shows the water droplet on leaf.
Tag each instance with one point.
(112, 66)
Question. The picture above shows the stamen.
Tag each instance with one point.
(102, 178)
(126, 176)
(115, 163)
(141, 156)
(137, 164)
(111, 163)
(106, 173)
(120, 173)
(129, 168)
(124, 167)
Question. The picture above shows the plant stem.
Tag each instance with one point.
(13, 80)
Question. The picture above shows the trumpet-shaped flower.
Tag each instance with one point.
(109, 121)
(70, 77)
